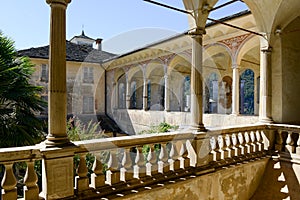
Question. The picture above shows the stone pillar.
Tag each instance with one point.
(57, 93)
(265, 113)
(196, 80)
(115, 95)
(128, 88)
(57, 163)
(145, 95)
(167, 95)
(235, 90)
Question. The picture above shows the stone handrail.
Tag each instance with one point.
(287, 141)
(126, 163)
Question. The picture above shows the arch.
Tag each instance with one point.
(252, 42)
(136, 77)
(247, 92)
(156, 81)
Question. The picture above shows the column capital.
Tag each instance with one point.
(235, 66)
(198, 31)
(62, 2)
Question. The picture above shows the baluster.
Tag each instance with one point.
(9, 183)
(139, 168)
(236, 151)
(279, 141)
(97, 177)
(82, 180)
(227, 150)
(174, 161)
(248, 146)
(254, 147)
(259, 141)
(151, 162)
(241, 143)
(298, 145)
(126, 170)
(289, 147)
(220, 151)
(31, 189)
(113, 172)
(213, 146)
(163, 165)
(184, 159)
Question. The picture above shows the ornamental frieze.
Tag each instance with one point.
(235, 42)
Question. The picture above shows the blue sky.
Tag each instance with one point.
(128, 23)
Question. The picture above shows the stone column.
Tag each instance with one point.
(265, 113)
(57, 163)
(114, 95)
(57, 93)
(235, 90)
(167, 95)
(128, 88)
(145, 95)
(196, 80)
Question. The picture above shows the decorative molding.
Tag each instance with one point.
(234, 43)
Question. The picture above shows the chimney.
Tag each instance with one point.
(98, 44)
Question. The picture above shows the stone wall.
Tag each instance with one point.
(135, 121)
(238, 182)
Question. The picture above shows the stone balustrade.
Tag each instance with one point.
(287, 142)
(110, 167)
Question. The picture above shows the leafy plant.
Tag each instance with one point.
(19, 100)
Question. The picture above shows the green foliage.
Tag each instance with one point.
(19, 100)
(163, 127)
(77, 130)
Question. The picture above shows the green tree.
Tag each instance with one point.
(19, 100)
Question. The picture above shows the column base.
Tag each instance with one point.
(198, 128)
(266, 120)
(57, 142)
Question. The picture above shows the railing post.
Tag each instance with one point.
(139, 168)
(31, 190)
(289, 147)
(82, 180)
(97, 177)
(151, 166)
(113, 173)
(174, 161)
(9, 183)
(279, 141)
(57, 173)
(202, 148)
(163, 165)
(127, 167)
(184, 157)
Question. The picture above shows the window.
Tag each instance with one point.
(88, 75)
(88, 104)
(247, 92)
(122, 100)
(44, 73)
(133, 95)
(149, 95)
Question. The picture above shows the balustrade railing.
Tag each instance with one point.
(287, 141)
(109, 166)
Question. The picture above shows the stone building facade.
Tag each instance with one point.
(85, 74)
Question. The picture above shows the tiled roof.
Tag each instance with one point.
(75, 52)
